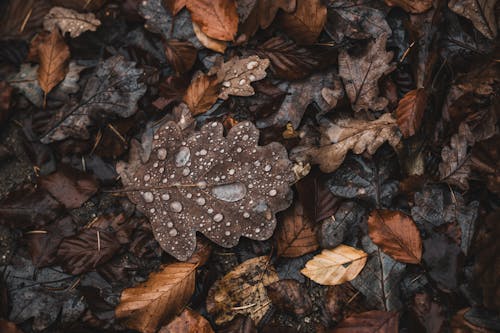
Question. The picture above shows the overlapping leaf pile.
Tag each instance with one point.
(249, 166)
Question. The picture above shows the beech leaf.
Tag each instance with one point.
(481, 14)
(223, 187)
(369, 322)
(411, 6)
(305, 24)
(180, 54)
(332, 267)
(70, 21)
(361, 74)
(201, 94)
(147, 305)
(242, 291)
(188, 321)
(410, 111)
(456, 164)
(218, 19)
(54, 55)
(211, 43)
(396, 234)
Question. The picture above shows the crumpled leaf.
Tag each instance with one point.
(345, 134)
(202, 93)
(361, 73)
(188, 321)
(113, 90)
(379, 280)
(5, 96)
(237, 75)
(242, 291)
(481, 14)
(54, 55)
(411, 6)
(332, 267)
(147, 305)
(300, 95)
(396, 234)
(486, 159)
(290, 296)
(218, 19)
(306, 23)
(223, 187)
(455, 167)
(410, 111)
(368, 322)
(428, 313)
(70, 21)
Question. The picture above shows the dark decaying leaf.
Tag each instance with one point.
(342, 227)
(9, 327)
(455, 167)
(240, 324)
(411, 6)
(340, 301)
(112, 90)
(86, 250)
(368, 322)
(428, 314)
(223, 187)
(188, 322)
(290, 296)
(481, 13)
(486, 159)
(307, 21)
(180, 54)
(22, 19)
(410, 111)
(172, 89)
(5, 95)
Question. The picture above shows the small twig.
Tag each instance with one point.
(26, 19)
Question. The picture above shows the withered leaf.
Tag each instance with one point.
(70, 21)
(237, 75)
(443, 259)
(295, 234)
(188, 322)
(22, 19)
(26, 80)
(455, 167)
(267, 10)
(411, 6)
(290, 296)
(9, 327)
(486, 159)
(305, 24)
(113, 90)
(428, 313)
(361, 74)
(223, 187)
(180, 54)
(346, 134)
(343, 226)
(54, 55)
(202, 93)
(410, 111)
(396, 234)
(163, 295)
(211, 43)
(242, 291)
(5, 96)
(481, 13)
(368, 322)
(218, 19)
(86, 250)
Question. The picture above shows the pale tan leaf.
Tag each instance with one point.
(410, 111)
(332, 267)
(361, 73)
(242, 291)
(218, 19)
(201, 94)
(411, 6)
(305, 24)
(54, 55)
(70, 21)
(165, 293)
(213, 44)
(480, 12)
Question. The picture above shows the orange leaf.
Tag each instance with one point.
(217, 18)
(410, 111)
(201, 94)
(411, 6)
(305, 24)
(164, 294)
(54, 55)
(396, 234)
(188, 321)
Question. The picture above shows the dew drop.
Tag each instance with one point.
(251, 77)
(246, 215)
(214, 124)
(252, 64)
(218, 217)
(182, 157)
(176, 206)
(189, 195)
(245, 137)
(165, 196)
(162, 169)
(155, 164)
(152, 210)
(273, 192)
(162, 154)
(156, 137)
(148, 196)
(231, 172)
(201, 184)
(173, 232)
(147, 177)
(227, 233)
(256, 163)
(226, 84)
(267, 168)
(239, 149)
(242, 82)
(200, 201)
(164, 180)
(170, 224)
(203, 152)
(210, 211)
(257, 230)
(186, 171)
(229, 192)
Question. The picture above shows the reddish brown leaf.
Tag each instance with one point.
(165, 293)
(369, 322)
(411, 6)
(54, 55)
(175, 6)
(180, 54)
(290, 296)
(188, 322)
(410, 111)
(8, 327)
(295, 234)
(396, 234)
(5, 93)
(217, 18)
(305, 24)
(201, 94)
(210, 43)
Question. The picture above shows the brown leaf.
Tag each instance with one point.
(9, 327)
(411, 6)
(188, 322)
(151, 303)
(455, 167)
(295, 234)
(172, 89)
(332, 267)
(216, 18)
(211, 43)
(346, 134)
(240, 324)
(486, 159)
(199, 181)
(175, 6)
(369, 322)
(21, 19)
(201, 94)
(428, 314)
(396, 234)
(68, 20)
(342, 300)
(54, 55)
(361, 73)
(242, 291)
(305, 24)
(410, 111)
(90, 248)
(481, 13)
(290, 296)
(5, 94)
(180, 54)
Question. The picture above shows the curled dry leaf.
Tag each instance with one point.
(332, 267)
(345, 134)
(295, 234)
(237, 75)
(361, 74)
(455, 167)
(368, 322)
(410, 111)
(305, 24)
(223, 187)
(242, 291)
(411, 6)
(180, 54)
(164, 294)
(188, 321)
(396, 234)
(481, 13)
(218, 19)
(70, 21)
(202, 93)
(54, 54)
